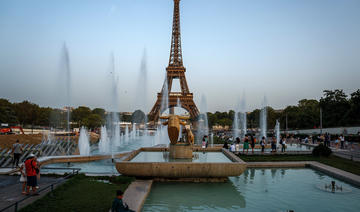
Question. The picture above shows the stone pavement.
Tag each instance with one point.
(135, 195)
(10, 191)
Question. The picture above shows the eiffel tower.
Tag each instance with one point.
(175, 70)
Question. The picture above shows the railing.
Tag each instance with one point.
(75, 171)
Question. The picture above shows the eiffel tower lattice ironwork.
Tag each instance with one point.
(175, 70)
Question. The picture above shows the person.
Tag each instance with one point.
(327, 140)
(31, 172)
(118, 205)
(206, 141)
(23, 178)
(283, 144)
(273, 145)
(237, 145)
(203, 143)
(337, 142)
(17, 151)
(226, 146)
(252, 140)
(342, 141)
(306, 140)
(246, 144)
(232, 147)
(262, 144)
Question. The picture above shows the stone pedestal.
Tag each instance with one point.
(180, 151)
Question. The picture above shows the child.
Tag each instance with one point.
(23, 178)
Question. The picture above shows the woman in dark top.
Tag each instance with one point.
(252, 143)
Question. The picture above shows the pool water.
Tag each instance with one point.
(256, 190)
(198, 157)
(95, 167)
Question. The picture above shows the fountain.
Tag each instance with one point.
(277, 131)
(203, 125)
(263, 119)
(236, 122)
(84, 144)
(180, 160)
(104, 143)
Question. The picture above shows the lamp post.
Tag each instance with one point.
(321, 120)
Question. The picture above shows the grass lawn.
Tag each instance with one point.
(337, 162)
(81, 193)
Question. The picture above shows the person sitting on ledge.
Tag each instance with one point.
(118, 205)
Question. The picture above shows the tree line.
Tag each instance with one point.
(337, 108)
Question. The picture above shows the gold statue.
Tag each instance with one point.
(173, 122)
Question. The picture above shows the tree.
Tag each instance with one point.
(80, 114)
(26, 113)
(7, 113)
(335, 107)
(93, 121)
(354, 112)
(100, 112)
(138, 117)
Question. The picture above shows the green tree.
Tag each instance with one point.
(354, 112)
(138, 117)
(79, 115)
(7, 113)
(93, 121)
(335, 107)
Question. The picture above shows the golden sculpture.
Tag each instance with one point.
(173, 122)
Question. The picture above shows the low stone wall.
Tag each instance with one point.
(77, 158)
(181, 169)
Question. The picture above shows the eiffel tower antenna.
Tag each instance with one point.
(175, 70)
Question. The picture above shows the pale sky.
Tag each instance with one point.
(285, 49)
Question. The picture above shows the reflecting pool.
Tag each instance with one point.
(198, 157)
(256, 190)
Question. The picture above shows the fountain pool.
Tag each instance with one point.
(255, 190)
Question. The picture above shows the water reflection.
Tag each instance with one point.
(194, 197)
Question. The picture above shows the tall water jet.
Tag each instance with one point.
(162, 130)
(277, 131)
(212, 139)
(203, 125)
(113, 118)
(83, 143)
(236, 121)
(243, 118)
(117, 141)
(126, 135)
(263, 119)
(141, 90)
(104, 143)
(66, 72)
(133, 131)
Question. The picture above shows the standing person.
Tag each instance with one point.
(206, 141)
(23, 177)
(337, 141)
(232, 147)
(283, 144)
(203, 143)
(246, 144)
(342, 141)
(17, 151)
(252, 139)
(31, 167)
(327, 140)
(226, 146)
(118, 205)
(263, 143)
(273, 145)
(237, 144)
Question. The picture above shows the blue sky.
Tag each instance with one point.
(285, 49)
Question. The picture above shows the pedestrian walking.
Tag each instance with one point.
(23, 177)
(283, 144)
(262, 144)
(17, 151)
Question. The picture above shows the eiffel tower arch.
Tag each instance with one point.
(175, 70)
